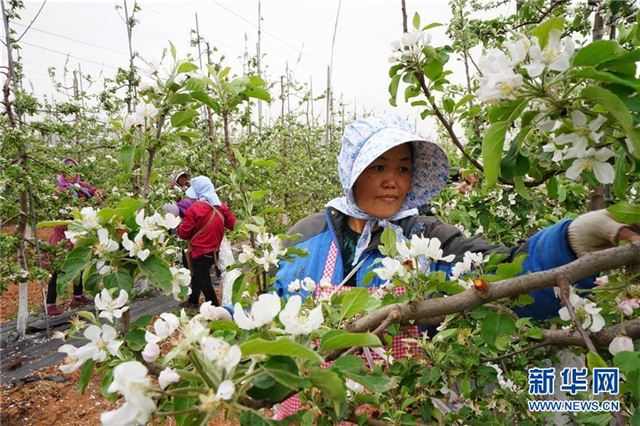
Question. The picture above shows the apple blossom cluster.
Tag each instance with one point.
(409, 46)
(143, 115)
(130, 378)
(501, 78)
(578, 140)
(414, 256)
(296, 319)
(267, 254)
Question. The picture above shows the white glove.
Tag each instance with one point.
(593, 231)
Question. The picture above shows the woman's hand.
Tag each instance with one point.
(597, 230)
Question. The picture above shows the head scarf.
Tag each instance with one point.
(177, 175)
(202, 189)
(365, 140)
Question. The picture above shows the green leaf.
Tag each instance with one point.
(393, 89)
(85, 375)
(618, 110)
(542, 30)
(237, 289)
(142, 322)
(416, 21)
(157, 272)
(173, 51)
(180, 98)
(281, 346)
(625, 213)
(104, 386)
(126, 208)
(258, 93)
(338, 339)
(329, 382)
(135, 339)
(353, 301)
(206, 99)
(496, 324)
(432, 69)
(388, 240)
(376, 384)
(349, 364)
(492, 144)
(595, 361)
(285, 371)
(75, 263)
(121, 278)
(621, 181)
(186, 67)
(258, 195)
(521, 189)
(183, 118)
(607, 77)
(597, 52)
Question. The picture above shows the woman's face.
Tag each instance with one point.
(382, 187)
(70, 177)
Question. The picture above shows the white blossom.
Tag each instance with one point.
(167, 377)
(170, 221)
(498, 80)
(247, 255)
(75, 357)
(151, 352)
(102, 341)
(297, 321)
(390, 268)
(224, 355)
(621, 344)
(555, 56)
(214, 313)
(135, 247)
(163, 327)
(111, 308)
(596, 161)
(89, 218)
(130, 379)
(586, 312)
(180, 277)
(262, 312)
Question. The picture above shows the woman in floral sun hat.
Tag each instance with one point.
(387, 171)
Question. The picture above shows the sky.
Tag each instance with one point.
(92, 35)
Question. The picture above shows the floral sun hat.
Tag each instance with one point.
(365, 140)
(202, 188)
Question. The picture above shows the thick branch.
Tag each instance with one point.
(584, 267)
(601, 339)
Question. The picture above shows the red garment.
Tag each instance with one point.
(197, 216)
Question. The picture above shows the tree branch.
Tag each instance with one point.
(581, 268)
(449, 128)
(32, 21)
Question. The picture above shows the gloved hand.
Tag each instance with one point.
(597, 230)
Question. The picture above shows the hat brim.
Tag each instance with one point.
(430, 163)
